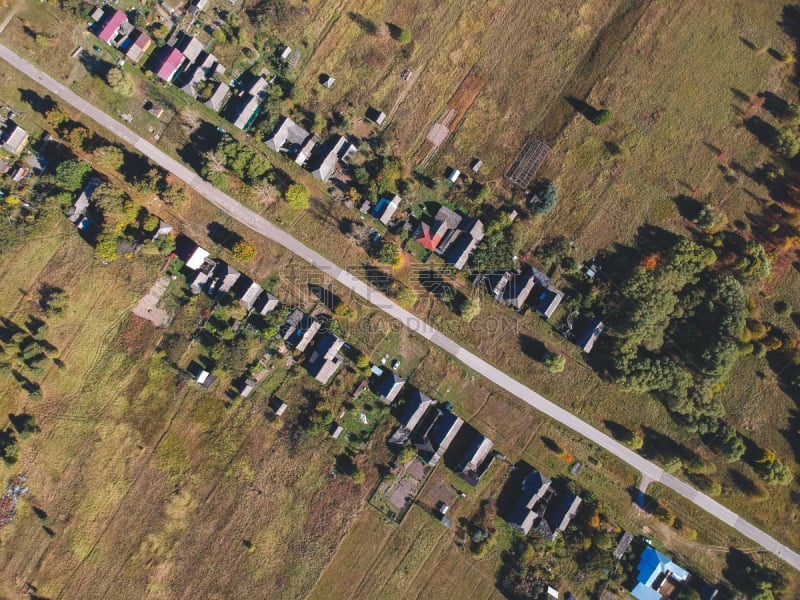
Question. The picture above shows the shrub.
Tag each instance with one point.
(470, 309)
(407, 454)
(602, 117)
(297, 196)
(109, 157)
(358, 476)
(786, 143)
(362, 362)
(548, 198)
(388, 253)
(405, 296)
(244, 251)
(404, 36)
(554, 362)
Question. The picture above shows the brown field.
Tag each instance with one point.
(649, 63)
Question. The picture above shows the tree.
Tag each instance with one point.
(111, 201)
(297, 196)
(632, 441)
(174, 194)
(121, 82)
(158, 30)
(786, 143)
(548, 197)
(56, 117)
(470, 309)
(404, 295)
(404, 36)
(25, 425)
(601, 117)
(71, 174)
(362, 362)
(603, 541)
(106, 247)
(77, 136)
(387, 252)
(109, 157)
(358, 476)
(554, 362)
(244, 251)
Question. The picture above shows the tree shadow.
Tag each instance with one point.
(774, 104)
(365, 23)
(760, 129)
(617, 430)
(750, 45)
(531, 347)
(95, 65)
(688, 207)
(551, 444)
(221, 235)
(41, 104)
(203, 139)
(582, 107)
(746, 574)
(790, 23)
(19, 421)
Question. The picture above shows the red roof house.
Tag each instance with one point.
(169, 63)
(109, 30)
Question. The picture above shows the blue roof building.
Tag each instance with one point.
(659, 578)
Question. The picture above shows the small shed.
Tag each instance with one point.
(327, 81)
(97, 14)
(247, 388)
(336, 431)
(285, 52)
(476, 165)
(278, 406)
(454, 175)
(376, 116)
(154, 110)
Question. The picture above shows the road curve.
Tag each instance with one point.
(260, 225)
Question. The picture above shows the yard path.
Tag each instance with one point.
(259, 224)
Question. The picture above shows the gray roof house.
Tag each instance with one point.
(434, 434)
(226, 277)
(518, 288)
(545, 298)
(557, 519)
(217, 100)
(13, 138)
(338, 148)
(289, 137)
(385, 208)
(387, 385)
(190, 46)
(266, 303)
(589, 335)
(415, 409)
(476, 459)
(246, 112)
(81, 204)
(299, 329)
(326, 359)
(375, 115)
(250, 295)
(531, 503)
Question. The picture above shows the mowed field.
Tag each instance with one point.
(152, 489)
(418, 559)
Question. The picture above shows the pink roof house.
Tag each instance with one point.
(109, 30)
(166, 67)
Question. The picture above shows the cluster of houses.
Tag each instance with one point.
(432, 428)
(112, 27)
(450, 235)
(527, 287)
(299, 144)
(299, 331)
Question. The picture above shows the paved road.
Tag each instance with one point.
(260, 225)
